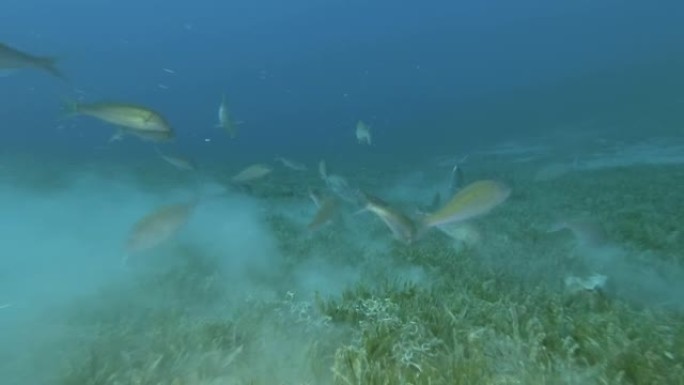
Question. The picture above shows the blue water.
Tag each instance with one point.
(300, 74)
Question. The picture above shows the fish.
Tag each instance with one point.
(177, 161)
(12, 59)
(130, 118)
(158, 226)
(327, 208)
(252, 173)
(595, 282)
(225, 121)
(291, 164)
(338, 184)
(587, 232)
(363, 133)
(475, 199)
(402, 227)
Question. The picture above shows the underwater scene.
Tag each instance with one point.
(254, 192)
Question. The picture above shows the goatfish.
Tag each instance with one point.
(327, 208)
(403, 228)
(225, 121)
(363, 133)
(158, 226)
(251, 173)
(130, 118)
(12, 59)
(475, 199)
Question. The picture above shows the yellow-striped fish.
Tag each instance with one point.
(158, 226)
(130, 118)
(473, 200)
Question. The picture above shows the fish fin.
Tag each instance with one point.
(436, 202)
(49, 64)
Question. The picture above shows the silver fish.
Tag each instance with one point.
(291, 164)
(403, 228)
(176, 161)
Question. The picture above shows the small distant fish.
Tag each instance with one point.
(225, 121)
(338, 184)
(11, 59)
(130, 118)
(475, 199)
(587, 232)
(594, 282)
(327, 208)
(251, 173)
(158, 226)
(177, 161)
(363, 133)
(291, 164)
(403, 228)
(168, 70)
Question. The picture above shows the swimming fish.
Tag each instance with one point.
(291, 164)
(363, 133)
(327, 208)
(130, 118)
(252, 173)
(177, 161)
(473, 200)
(403, 228)
(587, 232)
(338, 184)
(225, 121)
(12, 58)
(158, 226)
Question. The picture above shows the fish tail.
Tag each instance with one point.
(49, 64)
